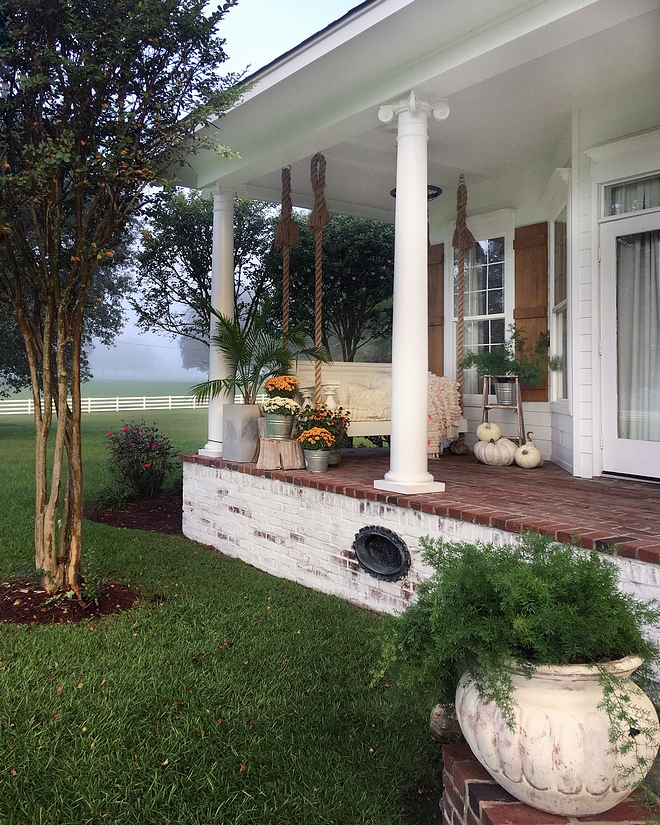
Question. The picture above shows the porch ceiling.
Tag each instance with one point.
(510, 98)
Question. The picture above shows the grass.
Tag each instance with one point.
(224, 696)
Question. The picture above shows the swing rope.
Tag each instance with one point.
(318, 218)
(286, 237)
(463, 241)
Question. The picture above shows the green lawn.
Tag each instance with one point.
(224, 696)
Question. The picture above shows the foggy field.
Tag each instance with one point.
(109, 388)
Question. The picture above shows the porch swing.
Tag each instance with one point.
(361, 387)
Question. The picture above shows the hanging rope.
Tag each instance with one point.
(286, 237)
(318, 218)
(462, 241)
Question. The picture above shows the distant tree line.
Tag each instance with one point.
(173, 283)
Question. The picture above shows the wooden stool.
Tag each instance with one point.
(278, 454)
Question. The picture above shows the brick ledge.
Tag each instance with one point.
(472, 797)
(639, 549)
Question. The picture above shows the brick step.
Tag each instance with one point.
(472, 797)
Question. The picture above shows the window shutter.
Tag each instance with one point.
(436, 278)
(531, 294)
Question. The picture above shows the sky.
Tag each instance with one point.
(256, 32)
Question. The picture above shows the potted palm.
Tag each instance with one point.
(513, 357)
(254, 353)
(533, 644)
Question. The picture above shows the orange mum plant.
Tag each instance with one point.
(317, 438)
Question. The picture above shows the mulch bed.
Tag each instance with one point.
(161, 514)
(22, 603)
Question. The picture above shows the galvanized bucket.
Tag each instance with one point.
(505, 392)
(279, 426)
(316, 461)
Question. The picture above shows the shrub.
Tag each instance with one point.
(141, 458)
(487, 608)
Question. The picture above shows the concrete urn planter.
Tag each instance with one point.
(559, 758)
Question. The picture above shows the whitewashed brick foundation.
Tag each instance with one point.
(306, 535)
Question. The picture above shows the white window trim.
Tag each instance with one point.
(559, 404)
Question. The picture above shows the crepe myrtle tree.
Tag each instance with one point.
(103, 320)
(100, 101)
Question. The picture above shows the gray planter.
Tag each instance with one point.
(316, 461)
(279, 426)
(505, 392)
(240, 437)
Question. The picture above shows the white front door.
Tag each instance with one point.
(630, 342)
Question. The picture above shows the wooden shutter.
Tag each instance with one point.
(531, 294)
(436, 276)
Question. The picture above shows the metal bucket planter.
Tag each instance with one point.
(505, 391)
(279, 426)
(335, 456)
(316, 461)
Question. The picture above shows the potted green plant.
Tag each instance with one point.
(254, 353)
(316, 443)
(534, 643)
(513, 357)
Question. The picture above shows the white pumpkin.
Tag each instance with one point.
(528, 456)
(496, 453)
(487, 431)
(511, 446)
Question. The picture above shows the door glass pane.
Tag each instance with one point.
(638, 335)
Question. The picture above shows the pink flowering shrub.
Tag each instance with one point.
(140, 458)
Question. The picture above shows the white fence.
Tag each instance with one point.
(25, 406)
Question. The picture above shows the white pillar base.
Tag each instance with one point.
(410, 488)
(212, 449)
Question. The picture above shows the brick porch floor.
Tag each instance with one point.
(599, 512)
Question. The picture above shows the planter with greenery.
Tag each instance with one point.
(254, 354)
(513, 357)
(336, 422)
(489, 620)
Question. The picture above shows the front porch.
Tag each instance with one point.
(301, 526)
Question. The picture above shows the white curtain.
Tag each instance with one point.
(633, 197)
(638, 335)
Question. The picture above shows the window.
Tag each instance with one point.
(559, 308)
(485, 323)
(634, 196)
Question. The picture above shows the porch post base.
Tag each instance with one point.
(212, 449)
(410, 488)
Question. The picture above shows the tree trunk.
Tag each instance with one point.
(58, 498)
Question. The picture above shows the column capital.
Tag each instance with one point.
(413, 103)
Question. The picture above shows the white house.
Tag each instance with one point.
(551, 110)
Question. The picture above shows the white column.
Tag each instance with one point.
(222, 299)
(408, 473)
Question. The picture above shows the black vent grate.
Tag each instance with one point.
(381, 553)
